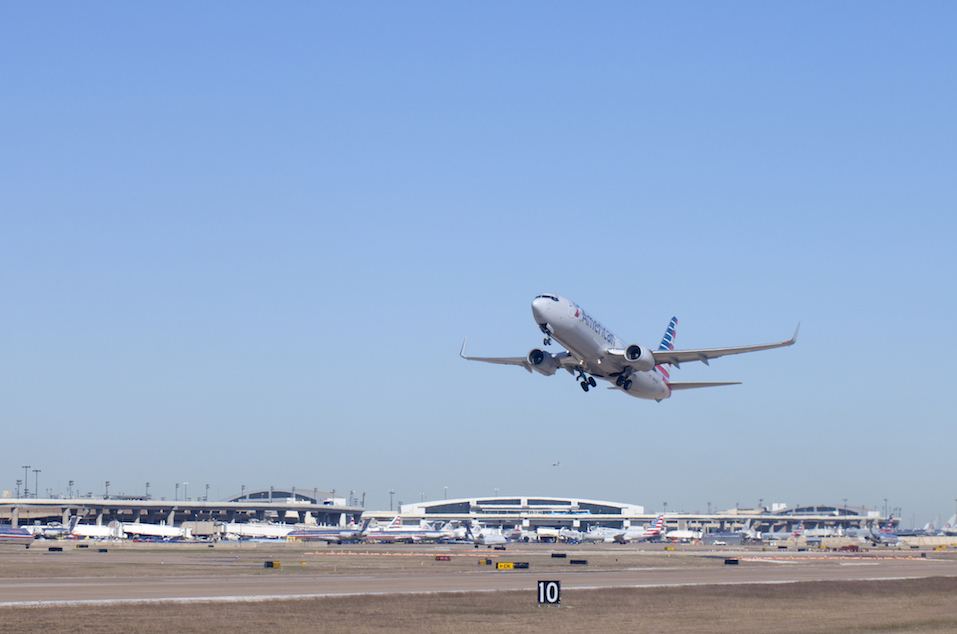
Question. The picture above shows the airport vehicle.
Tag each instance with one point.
(15, 535)
(593, 352)
(642, 533)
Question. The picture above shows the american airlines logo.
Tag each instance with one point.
(596, 327)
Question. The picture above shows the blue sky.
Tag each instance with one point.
(242, 246)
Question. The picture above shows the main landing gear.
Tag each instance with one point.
(623, 381)
(587, 382)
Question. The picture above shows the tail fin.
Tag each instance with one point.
(668, 343)
(671, 332)
(396, 522)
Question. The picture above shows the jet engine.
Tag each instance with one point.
(543, 362)
(640, 359)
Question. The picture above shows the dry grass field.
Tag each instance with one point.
(924, 605)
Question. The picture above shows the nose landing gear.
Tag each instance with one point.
(548, 334)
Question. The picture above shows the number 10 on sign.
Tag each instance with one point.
(549, 592)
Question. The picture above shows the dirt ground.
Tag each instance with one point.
(922, 605)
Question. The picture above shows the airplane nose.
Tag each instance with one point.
(540, 310)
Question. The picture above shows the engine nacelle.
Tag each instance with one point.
(543, 362)
(640, 359)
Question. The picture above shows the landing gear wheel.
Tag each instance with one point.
(584, 385)
(547, 341)
(619, 381)
(591, 381)
(626, 384)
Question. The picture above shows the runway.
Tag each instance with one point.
(77, 591)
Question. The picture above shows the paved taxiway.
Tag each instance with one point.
(50, 591)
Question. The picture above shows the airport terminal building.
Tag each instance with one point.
(530, 512)
(294, 505)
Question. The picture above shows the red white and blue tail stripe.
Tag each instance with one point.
(668, 343)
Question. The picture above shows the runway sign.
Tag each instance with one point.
(505, 565)
(549, 592)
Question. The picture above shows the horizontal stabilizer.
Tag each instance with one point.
(689, 385)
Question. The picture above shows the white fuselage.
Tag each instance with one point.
(588, 341)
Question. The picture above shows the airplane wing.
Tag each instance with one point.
(564, 360)
(519, 361)
(677, 357)
(691, 385)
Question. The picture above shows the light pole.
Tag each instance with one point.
(445, 495)
(206, 495)
(186, 491)
(26, 481)
(391, 493)
(242, 491)
(665, 504)
(885, 507)
(107, 487)
(147, 490)
(70, 485)
(761, 504)
(19, 482)
(845, 506)
(177, 491)
(709, 508)
(36, 483)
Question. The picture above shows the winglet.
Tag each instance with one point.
(797, 329)
(462, 351)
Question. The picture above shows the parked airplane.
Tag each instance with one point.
(163, 531)
(594, 351)
(15, 535)
(642, 533)
(256, 530)
(95, 531)
(485, 536)
(683, 535)
(785, 535)
(335, 534)
(601, 534)
(397, 532)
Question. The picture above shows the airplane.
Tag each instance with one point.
(683, 535)
(600, 534)
(784, 535)
(162, 531)
(485, 536)
(397, 532)
(255, 530)
(594, 351)
(15, 535)
(570, 535)
(641, 533)
(94, 531)
(335, 534)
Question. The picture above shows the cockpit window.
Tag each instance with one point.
(551, 297)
